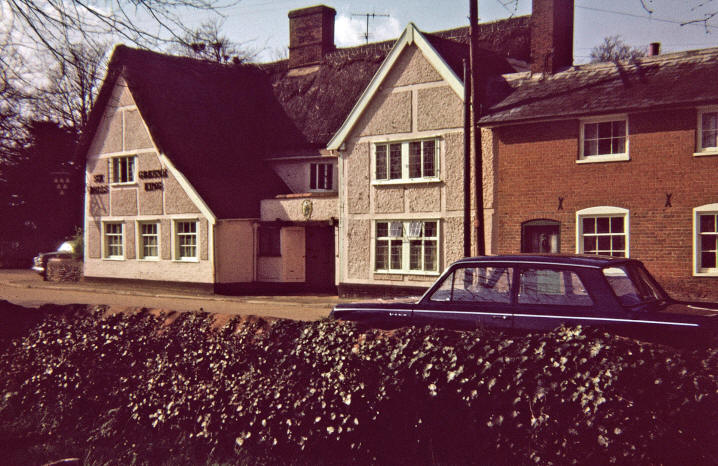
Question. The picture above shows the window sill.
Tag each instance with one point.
(192, 260)
(407, 272)
(124, 185)
(709, 273)
(149, 259)
(604, 158)
(405, 181)
(113, 258)
(706, 152)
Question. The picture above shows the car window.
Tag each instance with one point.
(476, 284)
(632, 289)
(554, 287)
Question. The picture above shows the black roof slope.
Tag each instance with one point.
(218, 123)
(683, 78)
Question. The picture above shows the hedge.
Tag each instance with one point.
(183, 388)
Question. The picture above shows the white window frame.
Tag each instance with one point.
(141, 243)
(176, 242)
(603, 211)
(314, 168)
(619, 157)
(405, 246)
(697, 270)
(105, 243)
(700, 150)
(405, 178)
(111, 170)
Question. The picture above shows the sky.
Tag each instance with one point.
(263, 24)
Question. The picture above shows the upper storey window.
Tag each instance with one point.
(708, 131)
(604, 139)
(406, 161)
(122, 169)
(320, 176)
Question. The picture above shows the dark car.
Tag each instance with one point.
(65, 251)
(541, 292)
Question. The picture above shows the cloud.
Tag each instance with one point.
(350, 30)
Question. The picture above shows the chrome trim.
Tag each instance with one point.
(680, 324)
(464, 312)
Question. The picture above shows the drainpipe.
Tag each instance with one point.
(476, 110)
(467, 160)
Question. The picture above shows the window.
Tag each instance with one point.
(122, 169)
(633, 285)
(269, 241)
(186, 240)
(602, 230)
(476, 284)
(552, 287)
(406, 161)
(406, 246)
(149, 241)
(604, 139)
(113, 241)
(707, 131)
(320, 176)
(705, 242)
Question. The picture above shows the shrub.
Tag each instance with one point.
(144, 388)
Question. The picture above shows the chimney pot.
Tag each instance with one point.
(311, 35)
(654, 49)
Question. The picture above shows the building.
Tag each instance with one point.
(612, 158)
(220, 176)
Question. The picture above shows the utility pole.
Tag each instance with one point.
(476, 100)
(368, 15)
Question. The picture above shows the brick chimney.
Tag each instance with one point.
(551, 35)
(311, 35)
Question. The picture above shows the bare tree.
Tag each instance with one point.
(73, 84)
(614, 49)
(53, 22)
(209, 43)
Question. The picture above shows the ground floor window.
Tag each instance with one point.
(705, 225)
(149, 240)
(406, 246)
(602, 231)
(186, 240)
(114, 241)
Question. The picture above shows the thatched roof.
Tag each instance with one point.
(662, 81)
(219, 123)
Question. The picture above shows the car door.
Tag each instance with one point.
(547, 297)
(468, 297)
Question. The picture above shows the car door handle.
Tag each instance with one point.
(500, 317)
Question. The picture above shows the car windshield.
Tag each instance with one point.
(633, 285)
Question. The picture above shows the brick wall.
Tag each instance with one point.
(537, 166)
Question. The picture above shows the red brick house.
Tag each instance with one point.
(611, 158)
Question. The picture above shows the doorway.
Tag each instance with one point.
(540, 236)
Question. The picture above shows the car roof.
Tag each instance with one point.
(584, 260)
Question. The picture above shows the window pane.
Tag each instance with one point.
(396, 230)
(382, 229)
(590, 131)
(709, 139)
(479, 284)
(602, 224)
(381, 162)
(589, 244)
(616, 224)
(313, 176)
(708, 260)
(604, 243)
(604, 129)
(430, 255)
(710, 121)
(415, 249)
(429, 158)
(589, 225)
(552, 287)
(382, 254)
(329, 180)
(590, 147)
(604, 146)
(619, 146)
(618, 243)
(708, 242)
(395, 161)
(708, 223)
(396, 255)
(430, 229)
(619, 128)
(414, 159)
